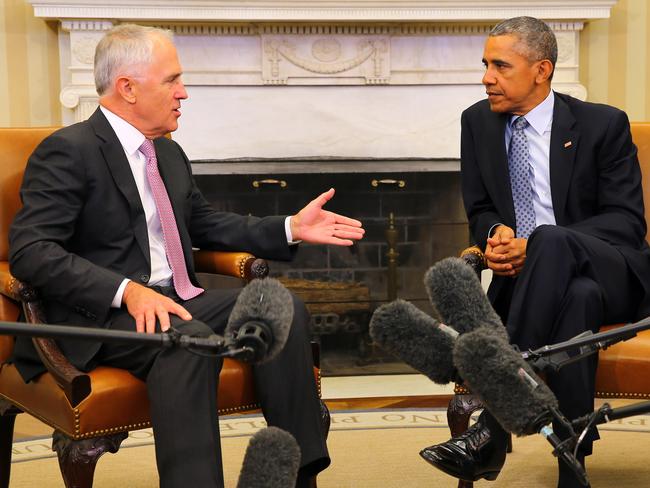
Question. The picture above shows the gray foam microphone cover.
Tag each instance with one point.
(419, 340)
(458, 298)
(272, 460)
(509, 388)
(267, 301)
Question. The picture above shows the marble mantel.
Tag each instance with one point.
(299, 79)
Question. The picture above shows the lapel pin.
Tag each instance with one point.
(567, 144)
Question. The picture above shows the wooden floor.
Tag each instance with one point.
(411, 401)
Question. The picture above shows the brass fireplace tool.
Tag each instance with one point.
(391, 239)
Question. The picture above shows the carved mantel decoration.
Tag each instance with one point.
(320, 78)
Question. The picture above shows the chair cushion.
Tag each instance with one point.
(118, 401)
(624, 368)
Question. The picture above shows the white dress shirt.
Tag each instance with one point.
(131, 140)
(538, 134)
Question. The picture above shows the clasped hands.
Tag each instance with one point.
(312, 224)
(505, 254)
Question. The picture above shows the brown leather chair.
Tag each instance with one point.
(623, 369)
(90, 413)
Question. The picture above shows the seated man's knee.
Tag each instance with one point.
(586, 292)
(549, 240)
(301, 317)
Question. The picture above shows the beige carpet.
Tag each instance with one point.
(369, 450)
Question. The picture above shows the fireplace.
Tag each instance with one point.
(321, 93)
(429, 221)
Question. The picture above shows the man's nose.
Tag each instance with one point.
(488, 78)
(182, 92)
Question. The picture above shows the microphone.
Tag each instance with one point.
(511, 391)
(419, 340)
(458, 297)
(272, 460)
(260, 321)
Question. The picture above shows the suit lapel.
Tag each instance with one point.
(499, 174)
(564, 144)
(120, 169)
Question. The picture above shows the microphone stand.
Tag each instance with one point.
(562, 449)
(213, 344)
(551, 358)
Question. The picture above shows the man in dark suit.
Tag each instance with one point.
(552, 190)
(110, 215)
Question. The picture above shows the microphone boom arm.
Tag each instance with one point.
(555, 356)
(212, 344)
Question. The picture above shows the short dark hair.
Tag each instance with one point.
(536, 39)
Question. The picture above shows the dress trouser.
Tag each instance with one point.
(570, 283)
(182, 392)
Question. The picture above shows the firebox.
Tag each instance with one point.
(413, 218)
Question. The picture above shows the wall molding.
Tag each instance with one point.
(321, 10)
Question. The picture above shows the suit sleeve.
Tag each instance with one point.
(41, 238)
(481, 211)
(265, 237)
(619, 216)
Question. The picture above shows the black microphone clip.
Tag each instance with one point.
(251, 341)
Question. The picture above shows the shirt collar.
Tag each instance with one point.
(541, 117)
(130, 137)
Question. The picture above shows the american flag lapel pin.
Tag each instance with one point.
(567, 144)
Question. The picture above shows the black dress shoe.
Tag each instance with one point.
(477, 453)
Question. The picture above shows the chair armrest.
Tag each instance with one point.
(475, 258)
(74, 383)
(238, 264)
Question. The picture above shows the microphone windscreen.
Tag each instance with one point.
(272, 460)
(509, 388)
(263, 301)
(419, 340)
(458, 298)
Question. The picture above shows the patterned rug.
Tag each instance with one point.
(375, 448)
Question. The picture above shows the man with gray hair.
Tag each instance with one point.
(110, 215)
(552, 191)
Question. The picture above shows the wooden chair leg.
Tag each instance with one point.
(7, 420)
(77, 459)
(460, 409)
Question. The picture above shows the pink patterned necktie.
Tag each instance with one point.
(182, 284)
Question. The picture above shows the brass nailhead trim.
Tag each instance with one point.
(602, 394)
(251, 406)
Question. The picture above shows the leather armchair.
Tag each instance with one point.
(623, 369)
(91, 413)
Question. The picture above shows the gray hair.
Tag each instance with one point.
(536, 39)
(125, 49)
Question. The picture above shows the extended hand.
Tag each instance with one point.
(315, 225)
(145, 306)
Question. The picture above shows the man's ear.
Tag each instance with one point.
(544, 71)
(125, 88)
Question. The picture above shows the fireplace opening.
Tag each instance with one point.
(412, 220)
